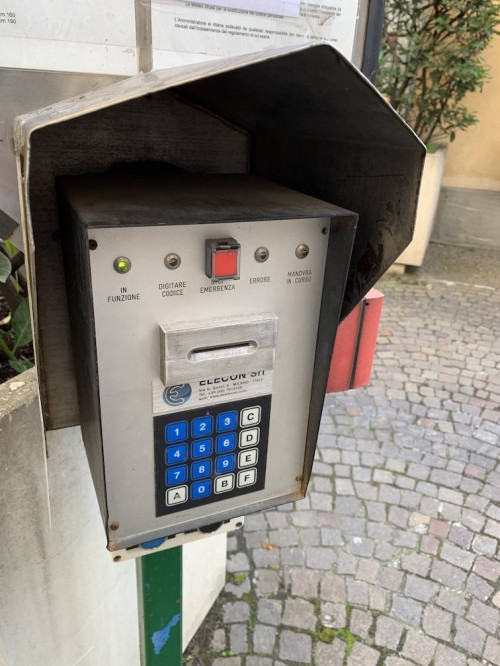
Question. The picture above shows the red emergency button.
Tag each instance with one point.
(223, 259)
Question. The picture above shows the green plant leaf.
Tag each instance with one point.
(5, 268)
(20, 365)
(21, 325)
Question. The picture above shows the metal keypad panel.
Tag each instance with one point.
(210, 454)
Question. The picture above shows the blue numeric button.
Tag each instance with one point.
(201, 489)
(225, 443)
(225, 463)
(176, 454)
(176, 475)
(202, 426)
(227, 421)
(201, 469)
(201, 448)
(176, 432)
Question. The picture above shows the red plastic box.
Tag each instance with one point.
(355, 344)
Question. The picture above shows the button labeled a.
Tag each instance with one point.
(176, 495)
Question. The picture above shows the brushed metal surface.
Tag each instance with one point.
(129, 357)
(194, 350)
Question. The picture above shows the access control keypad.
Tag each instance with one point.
(210, 454)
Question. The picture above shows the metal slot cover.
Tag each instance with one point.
(191, 350)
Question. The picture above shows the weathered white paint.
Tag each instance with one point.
(63, 602)
(204, 574)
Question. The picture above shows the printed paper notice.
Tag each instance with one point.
(185, 32)
(279, 7)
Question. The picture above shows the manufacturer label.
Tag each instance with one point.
(210, 390)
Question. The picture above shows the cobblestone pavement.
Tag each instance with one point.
(393, 556)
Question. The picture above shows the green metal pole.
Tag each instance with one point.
(159, 580)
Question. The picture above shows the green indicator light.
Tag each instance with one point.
(122, 264)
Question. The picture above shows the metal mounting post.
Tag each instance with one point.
(159, 588)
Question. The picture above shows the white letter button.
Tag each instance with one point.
(247, 477)
(248, 458)
(223, 484)
(176, 495)
(249, 437)
(250, 416)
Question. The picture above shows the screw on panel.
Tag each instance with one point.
(114, 526)
(261, 254)
(172, 261)
(301, 251)
(324, 231)
(117, 558)
(92, 244)
(299, 479)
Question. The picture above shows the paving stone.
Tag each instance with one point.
(419, 648)
(320, 558)
(259, 661)
(263, 557)
(445, 656)
(238, 563)
(219, 640)
(333, 615)
(330, 654)
(368, 570)
(448, 574)
(238, 638)
(492, 650)
(332, 588)
(429, 544)
(264, 638)
(407, 610)
(300, 614)
(479, 587)
(227, 661)
(267, 581)
(417, 564)
(437, 623)
(461, 536)
(295, 647)
(388, 632)
(293, 556)
(378, 598)
(484, 545)
(439, 528)
(420, 588)
(236, 611)
(276, 519)
(269, 611)
(484, 616)
(390, 578)
(357, 592)
(397, 661)
(331, 536)
(486, 568)
(361, 622)
(305, 583)
(451, 601)
(457, 556)
(347, 564)
(469, 637)
(284, 537)
(362, 655)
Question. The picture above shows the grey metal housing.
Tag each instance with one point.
(303, 117)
